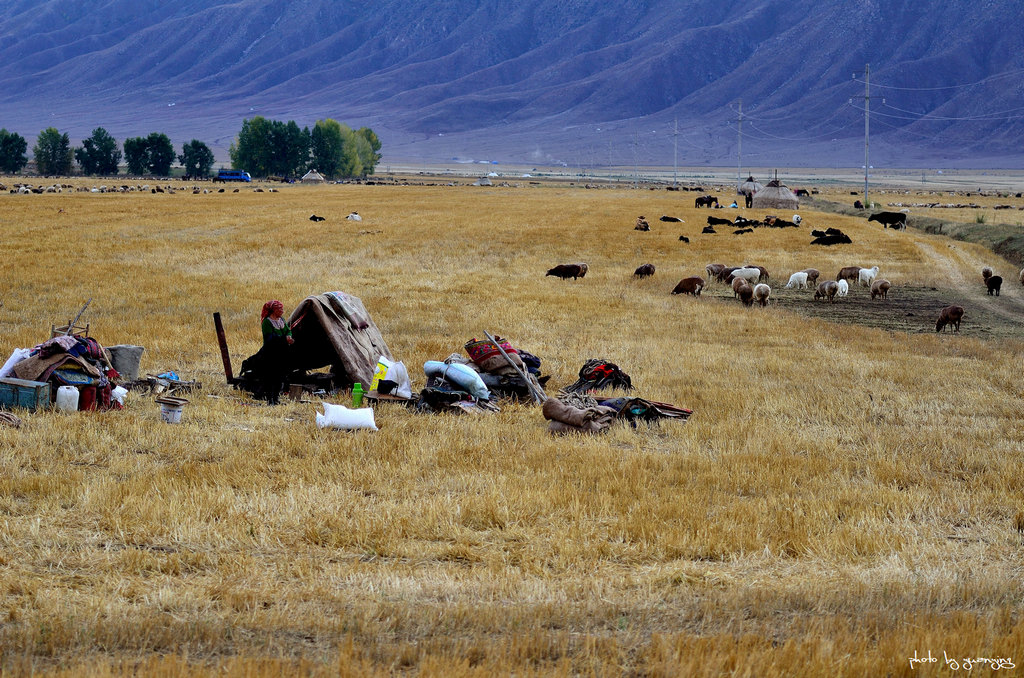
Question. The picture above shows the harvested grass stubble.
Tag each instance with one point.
(842, 498)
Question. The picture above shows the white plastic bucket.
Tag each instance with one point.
(170, 408)
(67, 399)
(170, 413)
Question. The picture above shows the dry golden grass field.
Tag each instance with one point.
(847, 495)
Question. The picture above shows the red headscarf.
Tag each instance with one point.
(270, 307)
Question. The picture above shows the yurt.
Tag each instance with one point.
(312, 177)
(775, 195)
(749, 187)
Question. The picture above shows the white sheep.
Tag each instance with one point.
(844, 288)
(866, 276)
(761, 293)
(797, 280)
(797, 219)
(748, 273)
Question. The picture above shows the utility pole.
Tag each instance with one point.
(739, 146)
(675, 153)
(636, 160)
(867, 119)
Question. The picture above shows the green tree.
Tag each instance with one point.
(326, 145)
(197, 159)
(373, 157)
(161, 154)
(53, 152)
(98, 154)
(297, 154)
(12, 152)
(136, 155)
(251, 150)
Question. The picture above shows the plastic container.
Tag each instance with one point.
(118, 394)
(357, 395)
(170, 408)
(67, 399)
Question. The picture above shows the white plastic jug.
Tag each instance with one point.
(67, 399)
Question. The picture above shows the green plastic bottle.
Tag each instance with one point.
(357, 395)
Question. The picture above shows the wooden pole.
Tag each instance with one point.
(537, 395)
(224, 355)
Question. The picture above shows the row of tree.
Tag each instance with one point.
(100, 155)
(263, 148)
(272, 147)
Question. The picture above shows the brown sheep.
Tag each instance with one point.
(692, 285)
(812, 275)
(827, 290)
(986, 273)
(714, 269)
(994, 283)
(951, 315)
(850, 273)
(644, 271)
(738, 283)
(880, 288)
(725, 273)
(565, 271)
(747, 295)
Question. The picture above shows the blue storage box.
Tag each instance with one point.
(32, 395)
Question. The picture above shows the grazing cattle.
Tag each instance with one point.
(713, 270)
(709, 229)
(742, 231)
(644, 271)
(718, 221)
(890, 219)
(692, 285)
(565, 271)
(951, 315)
(812, 275)
(827, 290)
(705, 201)
(313, 217)
(831, 239)
(880, 288)
(848, 273)
(761, 293)
(994, 283)
(671, 219)
(684, 238)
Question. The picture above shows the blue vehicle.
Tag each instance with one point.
(232, 175)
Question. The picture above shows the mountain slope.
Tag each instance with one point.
(534, 80)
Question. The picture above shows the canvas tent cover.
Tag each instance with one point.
(334, 329)
(776, 196)
(750, 187)
(312, 177)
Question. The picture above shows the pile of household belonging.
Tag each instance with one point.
(492, 369)
(578, 409)
(71, 361)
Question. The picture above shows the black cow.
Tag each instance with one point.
(890, 219)
(670, 219)
(709, 229)
(718, 221)
(313, 217)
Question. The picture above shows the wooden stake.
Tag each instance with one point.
(224, 355)
(538, 395)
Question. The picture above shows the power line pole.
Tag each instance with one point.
(867, 119)
(675, 153)
(636, 160)
(739, 146)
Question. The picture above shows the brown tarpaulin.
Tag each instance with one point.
(334, 329)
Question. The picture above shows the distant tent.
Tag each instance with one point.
(483, 181)
(749, 187)
(312, 177)
(776, 196)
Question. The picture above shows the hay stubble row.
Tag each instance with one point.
(843, 496)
